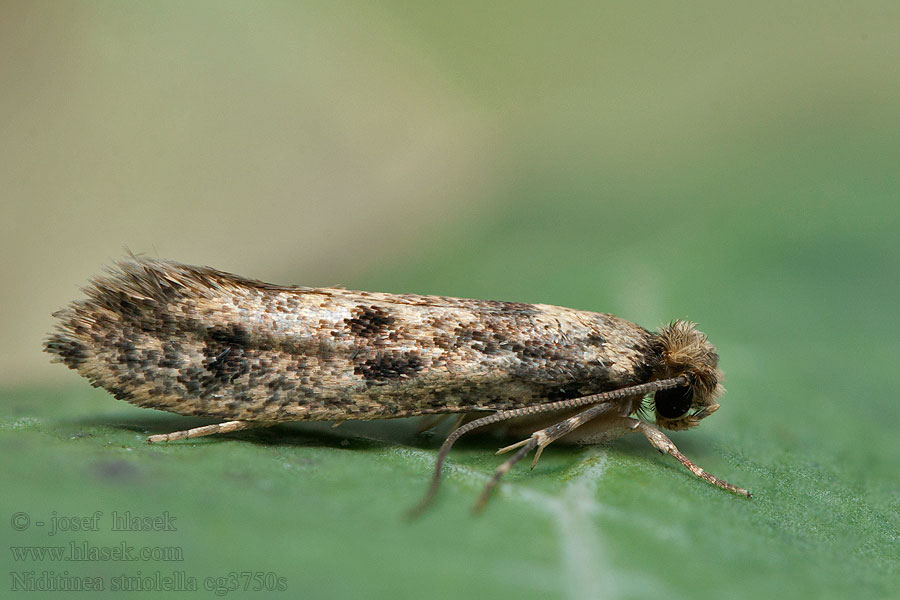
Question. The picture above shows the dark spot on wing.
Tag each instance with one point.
(117, 392)
(191, 378)
(596, 339)
(388, 366)
(370, 321)
(232, 335)
(491, 340)
(225, 362)
(70, 350)
(173, 355)
(486, 347)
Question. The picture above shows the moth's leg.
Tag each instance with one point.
(527, 446)
(459, 420)
(226, 427)
(602, 402)
(546, 436)
(430, 422)
(540, 440)
(665, 446)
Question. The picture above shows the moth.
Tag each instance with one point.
(198, 341)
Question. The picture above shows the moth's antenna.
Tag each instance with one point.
(503, 415)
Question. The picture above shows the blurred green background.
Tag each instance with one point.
(735, 165)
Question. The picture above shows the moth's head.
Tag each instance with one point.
(686, 352)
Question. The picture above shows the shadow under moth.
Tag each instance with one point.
(197, 341)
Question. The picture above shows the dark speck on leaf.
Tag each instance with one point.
(115, 470)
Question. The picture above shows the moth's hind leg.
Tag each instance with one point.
(226, 427)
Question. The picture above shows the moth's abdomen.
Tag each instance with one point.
(201, 342)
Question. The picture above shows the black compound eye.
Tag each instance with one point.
(674, 402)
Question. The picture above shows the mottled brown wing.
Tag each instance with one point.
(196, 341)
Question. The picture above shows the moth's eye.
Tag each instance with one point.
(674, 402)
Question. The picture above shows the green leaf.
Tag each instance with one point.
(808, 424)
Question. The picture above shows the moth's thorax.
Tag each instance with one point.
(685, 351)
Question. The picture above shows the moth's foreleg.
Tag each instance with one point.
(226, 427)
(665, 446)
